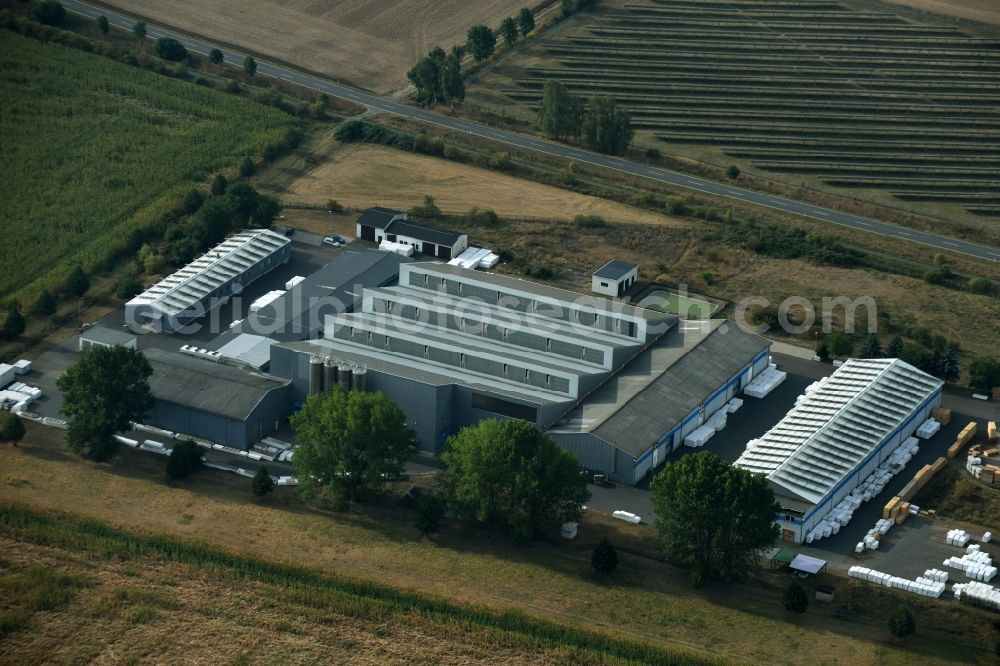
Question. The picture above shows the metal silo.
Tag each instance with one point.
(359, 378)
(315, 375)
(329, 375)
(344, 376)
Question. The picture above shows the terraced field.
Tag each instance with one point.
(857, 98)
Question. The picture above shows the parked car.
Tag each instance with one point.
(335, 241)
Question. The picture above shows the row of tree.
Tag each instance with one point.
(600, 122)
(936, 355)
(438, 77)
(75, 285)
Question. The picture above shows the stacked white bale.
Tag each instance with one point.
(922, 586)
(986, 537)
(765, 382)
(936, 575)
(734, 405)
(978, 594)
(957, 538)
(928, 429)
(700, 436)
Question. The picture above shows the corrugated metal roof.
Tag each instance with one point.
(182, 290)
(821, 440)
(207, 386)
(659, 388)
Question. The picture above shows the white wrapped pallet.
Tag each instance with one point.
(627, 517)
(986, 537)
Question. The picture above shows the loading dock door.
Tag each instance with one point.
(444, 252)
(368, 233)
(428, 249)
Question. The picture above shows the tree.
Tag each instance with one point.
(452, 83)
(872, 347)
(507, 474)
(525, 21)
(103, 393)
(246, 167)
(500, 161)
(430, 511)
(265, 211)
(77, 283)
(49, 12)
(605, 127)
(901, 622)
(169, 48)
(508, 29)
(193, 200)
(12, 430)
(796, 599)
(604, 558)
(262, 482)
(559, 113)
(216, 57)
(184, 459)
(249, 66)
(13, 324)
(733, 172)
(426, 77)
(895, 347)
(713, 517)
(350, 440)
(139, 30)
(949, 366)
(46, 303)
(822, 351)
(103, 25)
(219, 185)
(984, 373)
(481, 42)
(839, 344)
(127, 287)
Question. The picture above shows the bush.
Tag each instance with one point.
(541, 271)
(12, 430)
(653, 154)
(450, 152)
(246, 167)
(184, 459)
(430, 511)
(796, 599)
(127, 287)
(45, 304)
(901, 623)
(941, 275)
(49, 13)
(216, 56)
(333, 206)
(500, 161)
(77, 283)
(169, 48)
(589, 221)
(981, 286)
(604, 559)
(219, 185)
(262, 482)
(192, 201)
(484, 216)
(733, 172)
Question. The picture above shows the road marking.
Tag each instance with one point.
(823, 213)
(904, 233)
(950, 243)
(863, 223)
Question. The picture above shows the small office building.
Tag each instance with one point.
(384, 224)
(614, 278)
(99, 336)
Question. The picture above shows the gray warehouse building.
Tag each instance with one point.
(215, 401)
(615, 383)
(208, 281)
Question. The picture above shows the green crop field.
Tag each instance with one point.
(849, 95)
(92, 149)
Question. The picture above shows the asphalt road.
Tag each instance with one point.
(384, 104)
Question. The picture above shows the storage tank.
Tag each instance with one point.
(359, 378)
(315, 375)
(329, 375)
(344, 376)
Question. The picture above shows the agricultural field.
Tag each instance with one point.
(362, 175)
(983, 11)
(139, 603)
(860, 99)
(369, 45)
(93, 149)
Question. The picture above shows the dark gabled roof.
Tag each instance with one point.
(379, 217)
(426, 234)
(615, 269)
(206, 386)
(640, 422)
